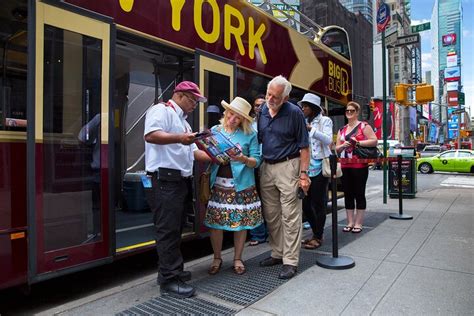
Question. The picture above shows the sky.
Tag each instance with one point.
(421, 11)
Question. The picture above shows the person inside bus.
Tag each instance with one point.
(234, 204)
(214, 115)
(259, 234)
(90, 135)
(320, 137)
(283, 174)
(169, 156)
(354, 174)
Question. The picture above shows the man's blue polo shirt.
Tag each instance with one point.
(283, 135)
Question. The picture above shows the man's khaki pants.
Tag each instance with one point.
(282, 209)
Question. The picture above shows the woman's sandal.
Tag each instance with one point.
(348, 229)
(213, 269)
(313, 243)
(255, 242)
(239, 269)
(356, 230)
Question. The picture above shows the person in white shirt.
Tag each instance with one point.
(320, 138)
(169, 157)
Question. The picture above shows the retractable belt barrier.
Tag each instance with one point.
(366, 160)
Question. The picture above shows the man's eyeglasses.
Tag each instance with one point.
(192, 99)
(350, 111)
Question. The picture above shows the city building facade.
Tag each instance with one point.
(446, 21)
(363, 6)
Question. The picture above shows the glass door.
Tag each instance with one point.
(71, 139)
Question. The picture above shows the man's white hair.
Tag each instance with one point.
(281, 81)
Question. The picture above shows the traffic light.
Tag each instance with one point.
(424, 94)
(466, 134)
(401, 94)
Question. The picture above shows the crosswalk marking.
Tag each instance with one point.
(460, 182)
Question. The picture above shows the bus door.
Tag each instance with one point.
(68, 221)
(216, 77)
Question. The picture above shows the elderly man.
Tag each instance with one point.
(285, 149)
(169, 157)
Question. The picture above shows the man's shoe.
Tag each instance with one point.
(177, 288)
(287, 272)
(185, 276)
(270, 261)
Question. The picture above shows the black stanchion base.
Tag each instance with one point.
(401, 216)
(339, 263)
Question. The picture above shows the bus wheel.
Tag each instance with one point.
(426, 168)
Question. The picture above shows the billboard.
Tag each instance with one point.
(449, 39)
(426, 111)
(452, 86)
(452, 98)
(451, 60)
(452, 74)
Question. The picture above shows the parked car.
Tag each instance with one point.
(430, 151)
(460, 160)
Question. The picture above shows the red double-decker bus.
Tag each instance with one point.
(77, 77)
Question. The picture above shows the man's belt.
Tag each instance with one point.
(289, 157)
(155, 174)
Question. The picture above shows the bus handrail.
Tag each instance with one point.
(144, 112)
(136, 162)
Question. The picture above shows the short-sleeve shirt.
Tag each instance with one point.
(170, 119)
(284, 134)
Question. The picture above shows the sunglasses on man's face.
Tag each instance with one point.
(350, 111)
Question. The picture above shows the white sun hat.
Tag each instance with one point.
(239, 106)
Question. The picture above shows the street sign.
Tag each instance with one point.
(461, 98)
(420, 27)
(383, 17)
(391, 40)
(407, 40)
(393, 29)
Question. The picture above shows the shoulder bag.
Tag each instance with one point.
(205, 185)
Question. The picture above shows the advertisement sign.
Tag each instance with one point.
(433, 133)
(413, 121)
(451, 60)
(377, 112)
(237, 31)
(452, 74)
(452, 86)
(449, 39)
(452, 98)
(383, 17)
(425, 110)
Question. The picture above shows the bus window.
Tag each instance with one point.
(336, 39)
(13, 67)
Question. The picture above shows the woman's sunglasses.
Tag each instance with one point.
(350, 111)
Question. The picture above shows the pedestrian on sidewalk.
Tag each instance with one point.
(259, 234)
(234, 204)
(355, 174)
(169, 157)
(285, 150)
(320, 137)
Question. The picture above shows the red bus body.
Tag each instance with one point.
(50, 190)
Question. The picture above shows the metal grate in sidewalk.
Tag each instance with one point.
(166, 305)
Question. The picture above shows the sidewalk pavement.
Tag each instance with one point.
(409, 267)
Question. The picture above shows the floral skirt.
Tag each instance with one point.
(231, 210)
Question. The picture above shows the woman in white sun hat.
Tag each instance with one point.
(234, 204)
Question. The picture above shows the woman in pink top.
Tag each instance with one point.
(354, 175)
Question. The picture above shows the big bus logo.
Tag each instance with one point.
(338, 79)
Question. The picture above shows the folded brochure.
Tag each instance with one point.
(219, 147)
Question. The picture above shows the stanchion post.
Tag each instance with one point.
(400, 214)
(335, 262)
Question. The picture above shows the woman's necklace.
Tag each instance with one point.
(231, 134)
